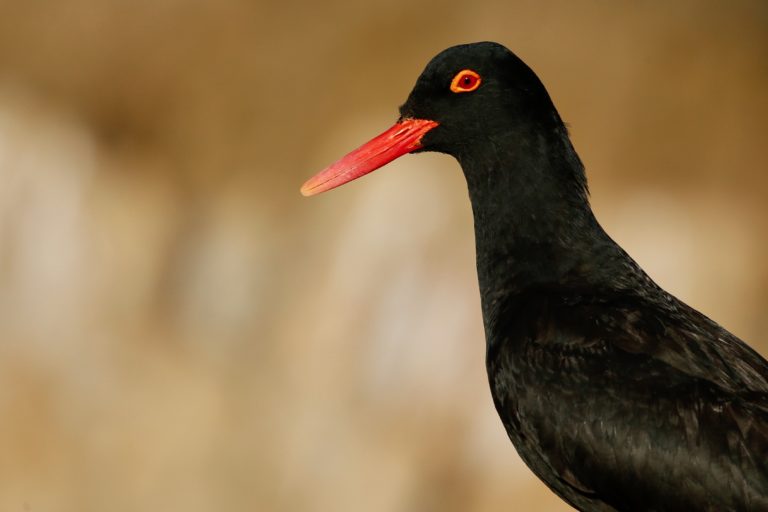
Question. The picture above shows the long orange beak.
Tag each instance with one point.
(404, 137)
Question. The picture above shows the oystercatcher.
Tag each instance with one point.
(615, 393)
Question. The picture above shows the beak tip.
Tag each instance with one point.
(305, 190)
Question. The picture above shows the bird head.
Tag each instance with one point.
(466, 96)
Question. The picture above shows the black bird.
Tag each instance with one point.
(615, 393)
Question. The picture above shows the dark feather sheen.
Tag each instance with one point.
(603, 399)
(616, 394)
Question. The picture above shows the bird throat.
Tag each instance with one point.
(533, 223)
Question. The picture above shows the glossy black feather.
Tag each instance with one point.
(606, 402)
(616, 394)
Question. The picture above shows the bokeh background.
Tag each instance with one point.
(180, 330)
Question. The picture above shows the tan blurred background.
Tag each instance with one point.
(180, 330)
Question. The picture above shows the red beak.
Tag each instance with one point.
(404, 137)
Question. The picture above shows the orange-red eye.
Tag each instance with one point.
(465, 81)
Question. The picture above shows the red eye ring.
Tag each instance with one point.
(465, 80)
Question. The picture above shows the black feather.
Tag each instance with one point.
(616, 394)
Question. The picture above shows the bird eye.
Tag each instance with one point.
(465, 80)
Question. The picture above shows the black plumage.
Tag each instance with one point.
(616, 394)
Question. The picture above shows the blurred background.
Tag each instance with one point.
(181, 330)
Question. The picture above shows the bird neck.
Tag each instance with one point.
(534, 227)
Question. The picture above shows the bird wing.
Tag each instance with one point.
(645, 407)
(673, 332)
